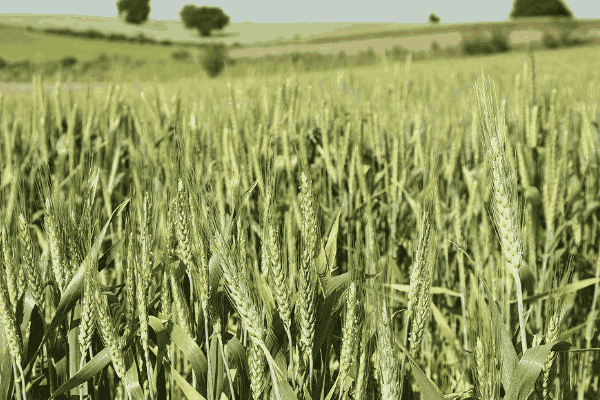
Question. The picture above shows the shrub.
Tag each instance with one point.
(434, 46)
(3, 63)
(367, 57)
(476, 47)
(550, 42)
(93, 34)
(166, 42)
(295, 57)
(569, 40)
(399, 52)
(22, 65)
(181, 55)
(117, 37)
(341, 59)
(500, 43)
(140, 38)
(215, 59)
(101, 62)
(67, 62)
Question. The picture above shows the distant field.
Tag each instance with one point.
(133, 62)
(244, 33)
(251, 35)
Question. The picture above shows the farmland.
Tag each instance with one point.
(415, 227)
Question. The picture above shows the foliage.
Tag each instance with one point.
(205, 19)
(498, 43)
(181, 55)
(433, 19)
(136, 11)
(67, 62)
(540, 8)
(215, 60)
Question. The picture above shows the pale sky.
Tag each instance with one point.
(401, 11)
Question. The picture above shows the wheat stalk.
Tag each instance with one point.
(349, 332)
(55, 246)
(9, 329)
(105, 324)
(34, 277)
(388, 365)
(143, 272)
(87, 318)
(256, 364)
(504, 191)
(11, 283)
(307, 285)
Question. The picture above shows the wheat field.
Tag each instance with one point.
(322, 238)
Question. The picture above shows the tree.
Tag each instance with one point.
(203, 18)
(433, 19)
(540, 8)
(136, 11)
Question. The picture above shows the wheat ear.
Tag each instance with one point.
(9, 328)
(11, 281)
(308, 283)
(504, 190)
(349, 332)
(105, 324)
(34, 277)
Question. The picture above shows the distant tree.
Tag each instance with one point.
(433, 19)
(203, 18)
(136, 11)
(540, 8)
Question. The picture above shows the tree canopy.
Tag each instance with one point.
(433, 19)
(540, 8)
(204, 18)
(136, 11)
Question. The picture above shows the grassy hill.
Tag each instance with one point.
(253, 47)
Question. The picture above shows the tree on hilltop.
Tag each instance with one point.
(433, 19)
(540, 8)
(203, 18)
(136, 11)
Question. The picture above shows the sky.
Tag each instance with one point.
(400, 11)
